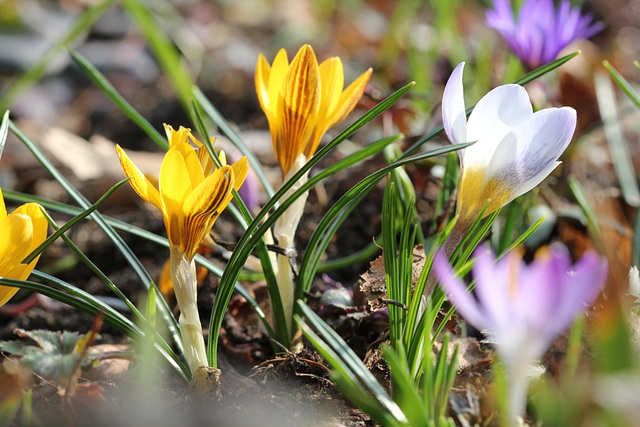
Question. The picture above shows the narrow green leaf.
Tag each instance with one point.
(101, 81)
(618, 147)
(132, 260)
(260, 225)
(233, 136)
(49, 240)
(623, 83)
(539, 72)
(84, 22)
(144, 234)
(77, 298)
(350, 362)
(162, 47)
(583, 201)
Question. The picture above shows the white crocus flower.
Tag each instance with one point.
(515, 148)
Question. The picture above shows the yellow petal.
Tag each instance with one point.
(332, 83)
(300, 104)
(240, 171)
(347, 102)
(474, 193)
(349, 99)
(203, 206)
(263, 70)
(16, 232)
(15, 241)
(176, 136)
(277, 75)
(39, 223)
(174, 189)
(192, 162)
(3, 208)
(138, 181)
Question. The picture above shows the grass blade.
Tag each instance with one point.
(37, 251)
(213, 113)
(618, 147)
(33, 74)
(126, 252)
(521, 81)
(162, 47)
(101, 81)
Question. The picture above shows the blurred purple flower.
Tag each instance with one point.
(523, 307)
(541, 31)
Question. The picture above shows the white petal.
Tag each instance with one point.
(530, 152)
(496, 114)
(454, 117)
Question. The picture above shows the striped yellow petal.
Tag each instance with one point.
(303, 100)
(203, 206)
(300, 105)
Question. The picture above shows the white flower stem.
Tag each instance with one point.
(516, 397)
(285, 230)
(183, 275)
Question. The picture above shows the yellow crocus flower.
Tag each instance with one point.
(302, 100)
(191, 194)
(21, 232)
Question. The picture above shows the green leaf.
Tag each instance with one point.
(618, 146)
(162, 47)
(84, 22)
(521, 81)
(60, 231)
(54, 356)
(77, 298)
(261, 224)
(345, 361)
(122, 247)
(623, 83)
(101, 81)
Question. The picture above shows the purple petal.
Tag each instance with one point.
(581, 285)
(491, 286)
(457, 291)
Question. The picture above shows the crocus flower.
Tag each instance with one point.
(21, 232)
(540, 31)
(191, 194)
(302, 100)
(523, 307)
(514, 150)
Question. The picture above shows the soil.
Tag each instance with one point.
(258, 385)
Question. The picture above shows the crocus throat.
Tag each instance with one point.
(475, 193)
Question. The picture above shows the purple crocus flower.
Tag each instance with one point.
(523, 307)
(541, 31)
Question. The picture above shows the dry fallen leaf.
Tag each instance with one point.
(374, 284)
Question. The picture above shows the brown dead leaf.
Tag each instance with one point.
(108, 368)
(374, 284)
